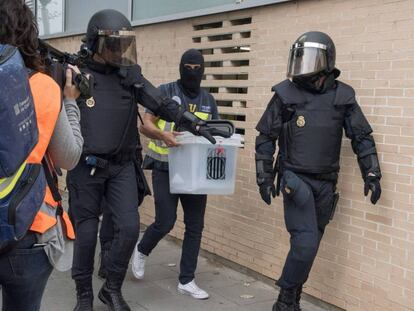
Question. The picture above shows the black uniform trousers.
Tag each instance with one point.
(308, 204)
(106, 232)
(117, 184)
(194, 207)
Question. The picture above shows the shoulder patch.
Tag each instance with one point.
(205, 108)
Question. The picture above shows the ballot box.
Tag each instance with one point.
(199, 167)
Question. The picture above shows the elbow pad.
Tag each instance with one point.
(356, 125)
(270, 123)
(150, 97)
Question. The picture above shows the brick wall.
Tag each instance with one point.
(366, 259)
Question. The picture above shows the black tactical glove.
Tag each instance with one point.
(266, 189)
(372, 183)
(196, 126)
(265, 177)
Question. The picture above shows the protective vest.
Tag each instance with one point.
(310, 140)
(202, 106)
(109, 117)
(47, 105)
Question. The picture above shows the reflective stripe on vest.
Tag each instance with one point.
(47, 105)
(158, 150)
(8, 184)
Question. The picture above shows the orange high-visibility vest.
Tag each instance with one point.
(47, 102)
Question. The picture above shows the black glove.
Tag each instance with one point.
(267, 188)
(196, 126)
(372, 183)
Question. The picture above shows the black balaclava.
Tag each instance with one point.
(190, 79)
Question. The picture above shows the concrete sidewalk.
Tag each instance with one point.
(229, 290)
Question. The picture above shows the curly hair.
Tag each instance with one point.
(18, 28)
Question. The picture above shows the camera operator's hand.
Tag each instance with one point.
(71, 91)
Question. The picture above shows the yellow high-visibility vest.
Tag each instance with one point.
(158, 150)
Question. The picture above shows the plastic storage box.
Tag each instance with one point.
(199, 167)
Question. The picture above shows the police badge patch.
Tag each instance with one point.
(90, 102)
(300, 121)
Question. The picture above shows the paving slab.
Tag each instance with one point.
(229, 290)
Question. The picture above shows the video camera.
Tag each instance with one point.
(56, 65)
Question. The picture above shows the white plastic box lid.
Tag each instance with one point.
(187, 138)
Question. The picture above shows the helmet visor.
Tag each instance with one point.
(306, 59)
(117, 48)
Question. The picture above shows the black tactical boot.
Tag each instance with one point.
(105, 247)
(84, 295)
(286, 300)
(110, 294)
(298, 294)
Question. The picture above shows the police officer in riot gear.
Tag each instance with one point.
(307, 115)
(106, 169)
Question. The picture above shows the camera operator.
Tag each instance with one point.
(25, 269)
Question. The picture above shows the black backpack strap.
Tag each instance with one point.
(51, 179)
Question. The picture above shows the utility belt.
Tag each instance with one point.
(96, 162)
(119, 158)
(279, 168)
(102, 161)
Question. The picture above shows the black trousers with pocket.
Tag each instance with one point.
(118, 185)
(308, 204)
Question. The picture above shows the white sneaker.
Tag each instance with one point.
(193, 290)
(138, 264)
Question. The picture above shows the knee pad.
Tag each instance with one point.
(305, 247)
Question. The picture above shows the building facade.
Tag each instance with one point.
(366, 258)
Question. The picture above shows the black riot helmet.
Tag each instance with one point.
(312, 53)
(110, 35)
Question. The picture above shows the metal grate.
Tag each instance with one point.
(226, 46)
